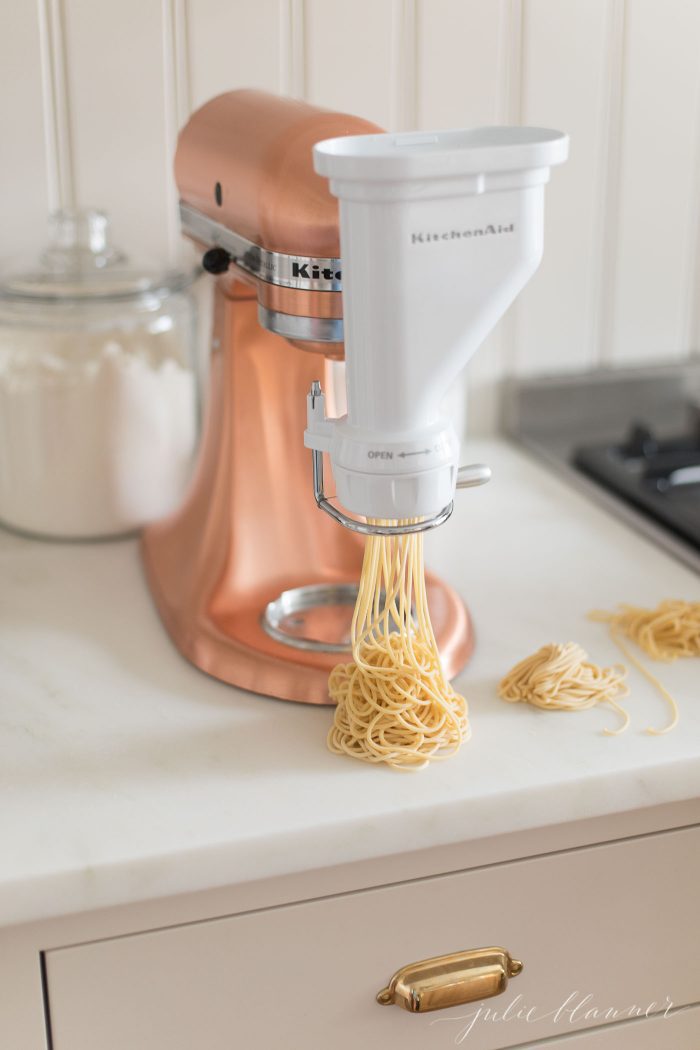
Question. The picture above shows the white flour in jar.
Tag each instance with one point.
(96, 443)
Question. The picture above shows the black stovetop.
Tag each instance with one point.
(628, 439)
(660, 476)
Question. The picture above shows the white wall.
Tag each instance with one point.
(94, 91)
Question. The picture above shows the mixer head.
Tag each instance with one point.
(249, 196)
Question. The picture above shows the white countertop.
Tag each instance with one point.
(126, 774)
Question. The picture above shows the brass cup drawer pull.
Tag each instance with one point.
(450, 980)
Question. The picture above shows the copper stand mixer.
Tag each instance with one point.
(254, 585)
(439, 233)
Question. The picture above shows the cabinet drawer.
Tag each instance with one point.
(677, 1031)
(617, 922)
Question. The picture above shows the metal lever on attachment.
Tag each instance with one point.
(473, 474)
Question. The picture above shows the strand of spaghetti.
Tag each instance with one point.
(651, 677)
(669, 632)
(622, 712)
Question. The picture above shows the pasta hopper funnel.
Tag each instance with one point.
(438, 234)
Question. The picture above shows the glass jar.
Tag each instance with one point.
(98, 388)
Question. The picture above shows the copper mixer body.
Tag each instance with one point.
(249, 529)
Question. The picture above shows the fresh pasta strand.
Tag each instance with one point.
(560, 677)
(666, 633)
(670, 631)
(394, 705)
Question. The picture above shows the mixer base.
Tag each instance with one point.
(249, 530)
(236, 646)
(317, 618)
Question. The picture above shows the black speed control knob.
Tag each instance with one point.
(216, 260)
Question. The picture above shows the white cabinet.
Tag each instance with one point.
(679, 1031)
(616, 922)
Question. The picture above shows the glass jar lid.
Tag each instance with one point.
(80, 264)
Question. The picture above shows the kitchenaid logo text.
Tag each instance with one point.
(315, 273)
(456, 235)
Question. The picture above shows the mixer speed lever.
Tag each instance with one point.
(216, 260)
(473, 474)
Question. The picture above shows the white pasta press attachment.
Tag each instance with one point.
(439, 232)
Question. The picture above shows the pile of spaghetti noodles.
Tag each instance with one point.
(669, 631)
(394, 705)
(560, 676)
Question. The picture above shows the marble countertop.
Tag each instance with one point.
(126, 774)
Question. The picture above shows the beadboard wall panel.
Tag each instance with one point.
(95, 91)
(458, 72)
(349, 57)
(657, 217)
(24, 181)
(116, 91)
(564, 85)
(234, 45)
